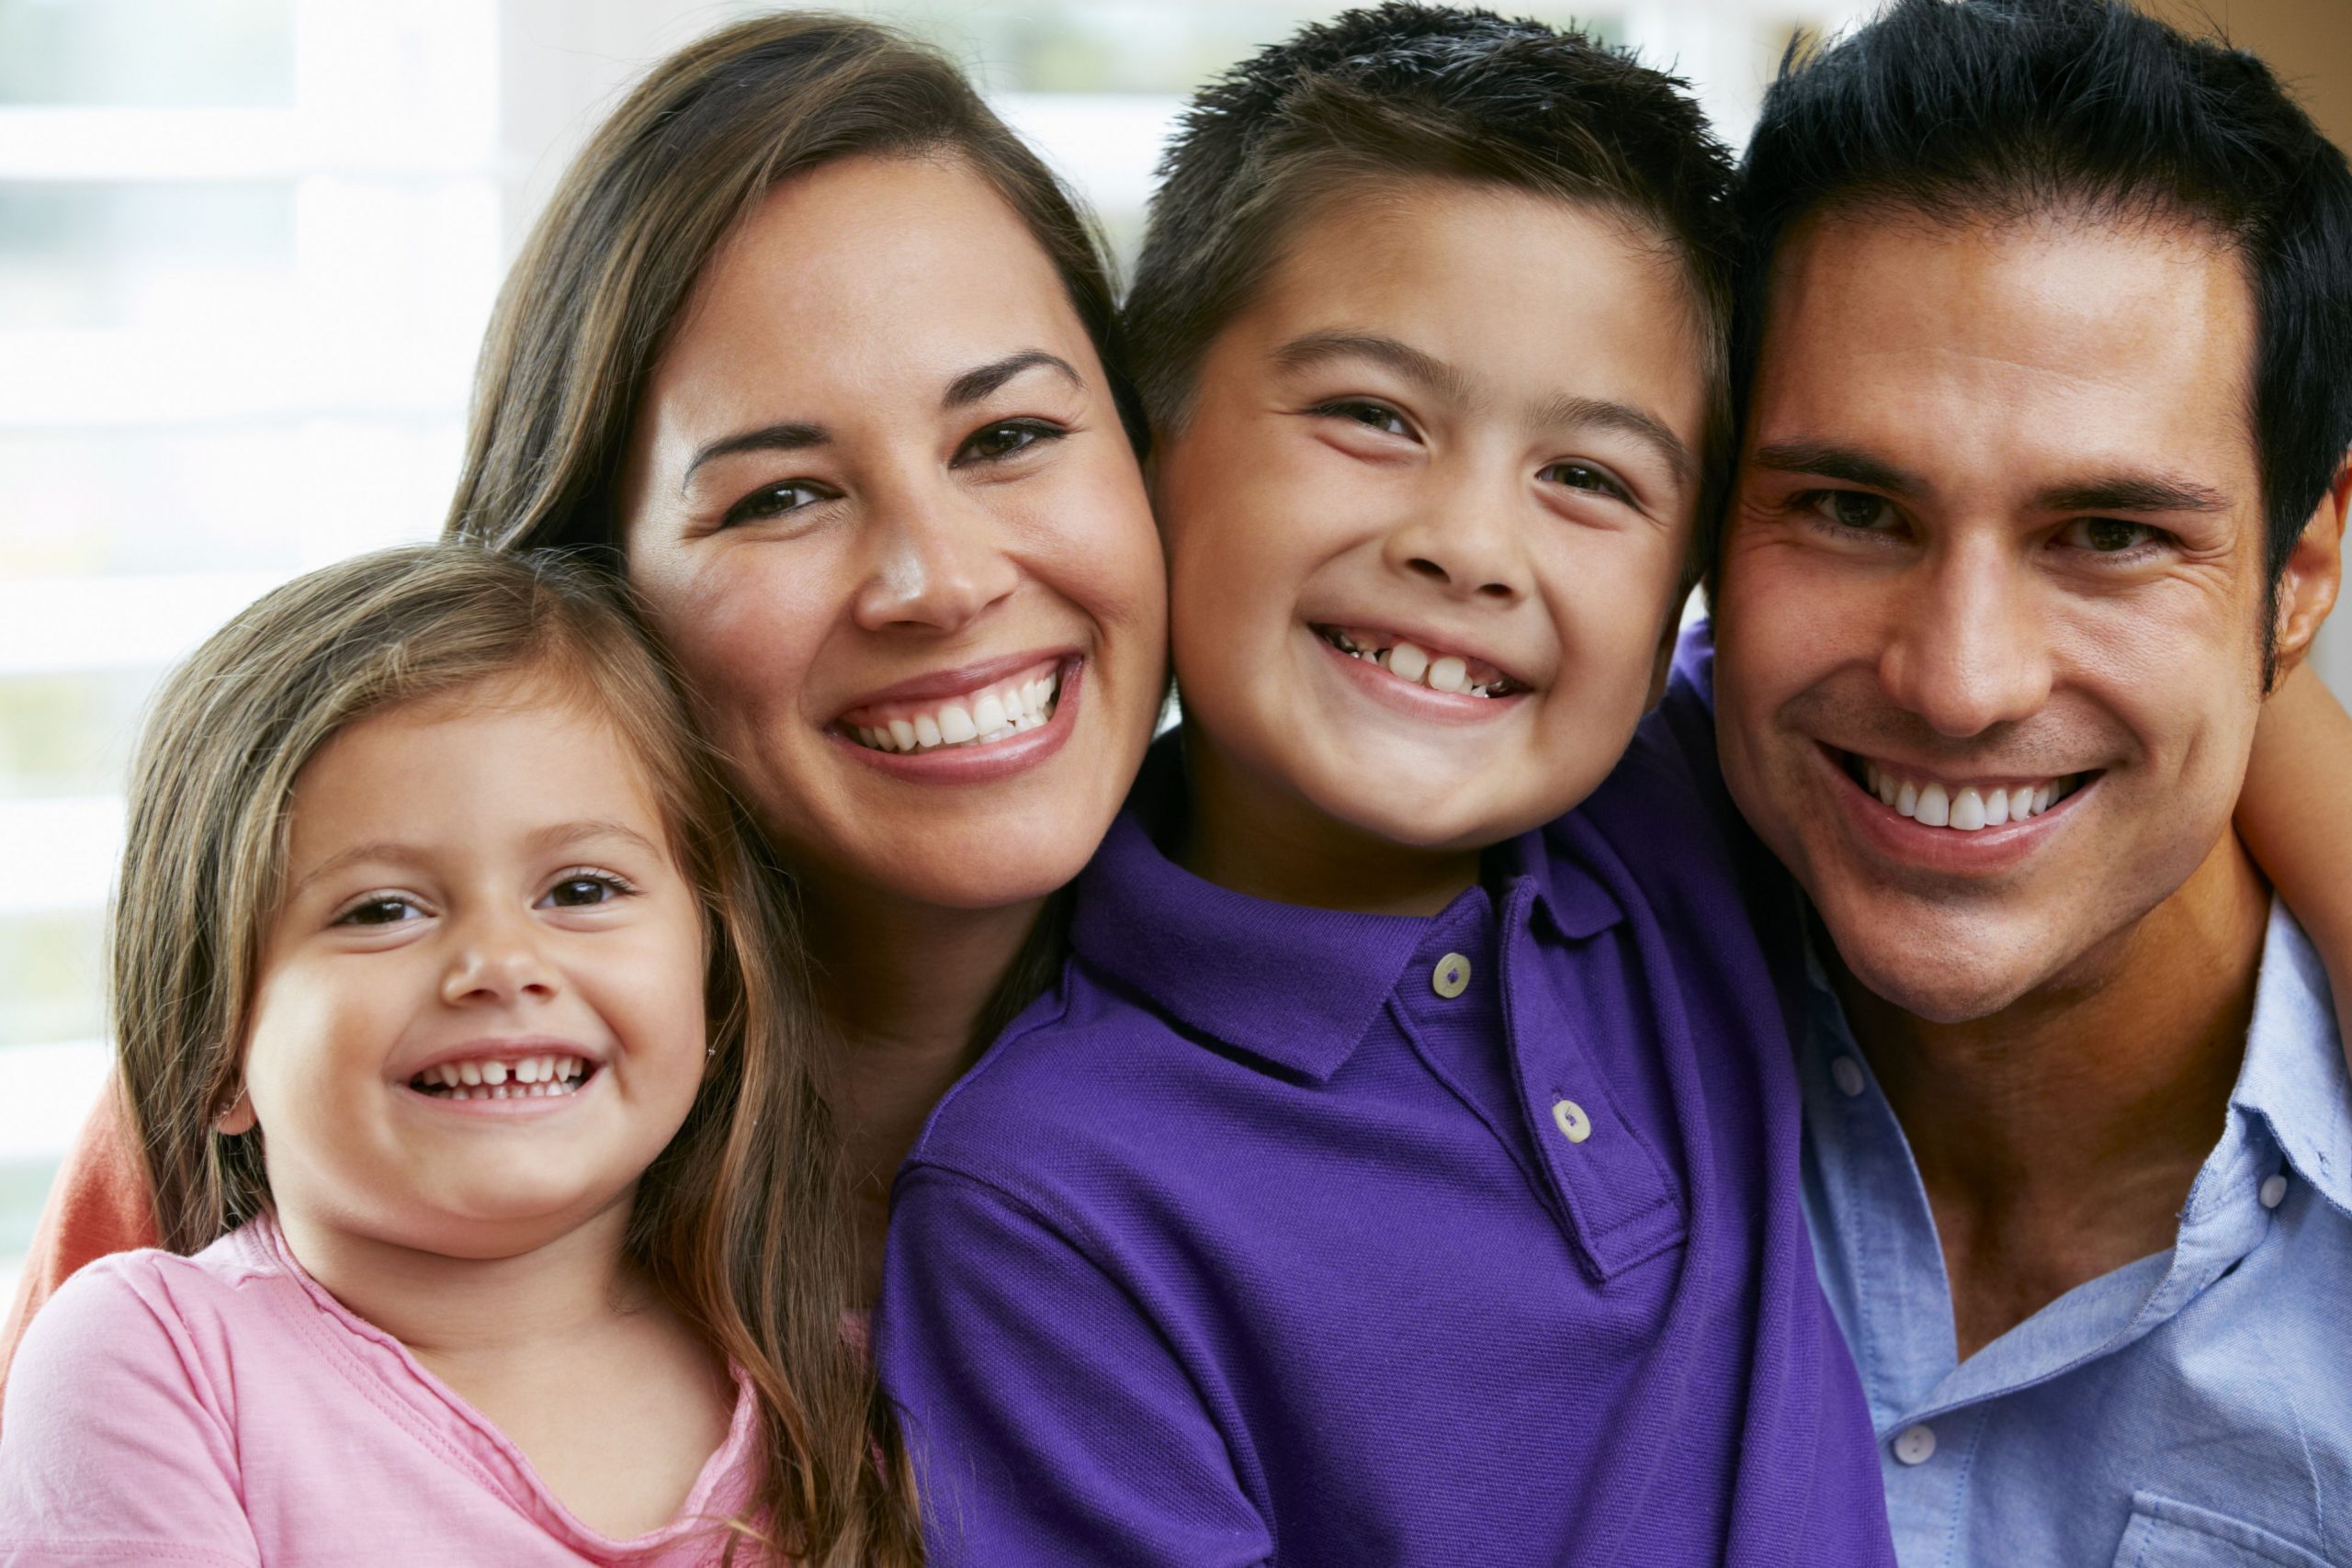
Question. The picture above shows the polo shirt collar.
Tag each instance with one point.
(1294, 986)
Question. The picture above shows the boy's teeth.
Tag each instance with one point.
(1409, 662)
(1964, 808)
(996, 713)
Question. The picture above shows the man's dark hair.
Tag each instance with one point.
(1403, 90)
(1961, 110)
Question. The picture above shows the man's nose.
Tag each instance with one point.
(497, 958)
(1967, 644)
(937, 559)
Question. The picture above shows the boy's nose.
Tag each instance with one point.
(1469, 552)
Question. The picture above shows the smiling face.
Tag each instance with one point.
(478, 888)
(1426, 517)
(1991, 609)
(882, 510)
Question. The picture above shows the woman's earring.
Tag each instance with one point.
(237, 1118)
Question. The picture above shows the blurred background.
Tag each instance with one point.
(247, 248)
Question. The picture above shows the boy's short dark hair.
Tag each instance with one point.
(2009, 109)
(1418, 90)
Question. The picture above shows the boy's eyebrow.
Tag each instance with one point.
(1637, 423)
(1426, 370)
(974, 385)
(554, 836)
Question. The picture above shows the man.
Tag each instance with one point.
(2042, 494)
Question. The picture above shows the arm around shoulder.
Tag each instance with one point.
(2295, 815)
(115, 1447)
(99, 1204)
(1050, 1419)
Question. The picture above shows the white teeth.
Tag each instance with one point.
(1996, 807)
(988, 714)
(1966, 808)
(1446, 673)
(494, 1072)
(927, 732)
(1968, 811)
(996, 715)
(1935, 806)
(1449, 674)
(1408, 662)
(956, 725)
(469, 1071)
(902, 735)
(1907, 799)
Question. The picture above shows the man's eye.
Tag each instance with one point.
(1584, 475)
(2108, 535)
(995, 443)
(1374, 416)
(774, 500)
(584, 889)
(379, 909)
(1852, 508)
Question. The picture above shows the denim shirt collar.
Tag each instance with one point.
(1294, 986)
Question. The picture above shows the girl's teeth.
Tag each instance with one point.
(998, 713)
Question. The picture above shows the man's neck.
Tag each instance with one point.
(2058, 1138)
(1258, 837)
(903, 988)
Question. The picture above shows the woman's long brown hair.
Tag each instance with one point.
(741, 1222)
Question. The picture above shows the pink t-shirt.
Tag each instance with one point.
(224, 1409)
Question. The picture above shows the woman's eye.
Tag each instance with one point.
(379, 909)
(774, 500)
(1583, 476)
(584, 889)
(996, 442)
(2108, 535)
(1852, 508)
(1374, 416)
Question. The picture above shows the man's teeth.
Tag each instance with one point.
(995, 713)
(1968, 808)
(505, 1078)
(1446, 673)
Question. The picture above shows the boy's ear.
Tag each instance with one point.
(2314, 574)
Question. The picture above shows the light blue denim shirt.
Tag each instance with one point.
(2190, 1410)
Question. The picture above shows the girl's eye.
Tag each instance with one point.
(1584, 475)
(379, 909)
(774, 500)
(1374, 416)
(2108, 536)
(585, 889)
(1851, 508)
(994, 442)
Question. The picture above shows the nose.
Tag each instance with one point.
(1470, 548)
(496, 959)
(937, 560)
(1968, 648)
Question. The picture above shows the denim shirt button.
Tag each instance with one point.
(1847, 1073)
(1915, 1444)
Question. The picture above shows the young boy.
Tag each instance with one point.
(1404, 1172)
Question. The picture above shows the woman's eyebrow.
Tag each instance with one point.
(790, 436)
(974, 385)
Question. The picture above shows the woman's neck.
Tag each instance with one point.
(903, 988)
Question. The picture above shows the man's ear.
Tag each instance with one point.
(2307, 589)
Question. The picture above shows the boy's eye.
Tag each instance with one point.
(379, 909)
(993, 443)
(2108, 536)
(1583, 476)
(774, 500)
(1376, 416)
(584, 889)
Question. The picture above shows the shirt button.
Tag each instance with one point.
(1915, 1444)
(2274, 1191)
(1572, 1120)
(1452, 976)
(1849, 1074)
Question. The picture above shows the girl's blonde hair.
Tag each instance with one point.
(741, 1222)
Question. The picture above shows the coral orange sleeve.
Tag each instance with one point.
(99, 1204)
(2295, 814)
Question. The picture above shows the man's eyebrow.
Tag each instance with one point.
(1635, 422)
(2133, 492)
(1830, 462)
(1425, 370)
(792, 435)
(973, 385)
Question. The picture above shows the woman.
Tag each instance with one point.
(811, 348)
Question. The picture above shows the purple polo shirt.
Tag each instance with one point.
(1281, 1235)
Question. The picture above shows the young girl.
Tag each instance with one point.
(499, 1203)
